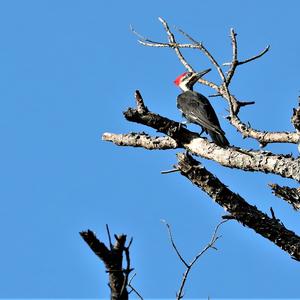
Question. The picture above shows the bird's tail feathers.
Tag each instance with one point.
(219, 139)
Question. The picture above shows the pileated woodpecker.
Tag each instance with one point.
(197, 109)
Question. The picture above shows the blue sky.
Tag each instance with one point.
(67, 71)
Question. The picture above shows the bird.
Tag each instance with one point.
(197, 109)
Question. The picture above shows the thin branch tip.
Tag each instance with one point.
(170, 171)
(160, 19)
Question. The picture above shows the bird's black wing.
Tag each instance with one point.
(197, 109)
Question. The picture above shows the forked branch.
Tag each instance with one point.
(283, 165)
(235, 62)
(177, 136)
(248, 215)
(263, 137)
(112, 258)
(189, 266)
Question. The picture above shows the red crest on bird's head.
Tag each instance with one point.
(178, 79)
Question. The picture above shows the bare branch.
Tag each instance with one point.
(206, 52)
(168, 45)
(274, 216)
(113, 262)
(255, 57)
(141, 37)
(283, 165)
(141, 140)
(214, 95)
(174, 245)
(179, 46)
(171, 38)
(133, 289)
(109, 237)
(262, 161)
(264, 137)
(234, 61)
(191, 264)
(234, 105)
(169, 171)
(128, 269)
(174, 45)
(243, 212)
(290, 195)
(245, 103)
(140, 105)
(96, 246)
(224, 85)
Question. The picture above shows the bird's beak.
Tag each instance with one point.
(202, 73)
(194, 78)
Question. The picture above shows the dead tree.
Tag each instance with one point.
(119, 282)
(178, 137)
(112, 258)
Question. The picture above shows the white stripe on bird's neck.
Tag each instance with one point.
(184, 87)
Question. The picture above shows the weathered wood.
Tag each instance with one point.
(248, 215)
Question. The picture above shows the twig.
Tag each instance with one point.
(245, 103)
(171, 38)
(255, 57)
(206, 52)
(224, 86)
(214, 95)
(174, 245)
(141, 37)
(169, 171)
(234, 61)
(208, 246)
(128, 269)
(109, 237)
(176, 46)
(133, 289)
(189, 266)
(234, 104)
(262, 137)
(273, 213)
